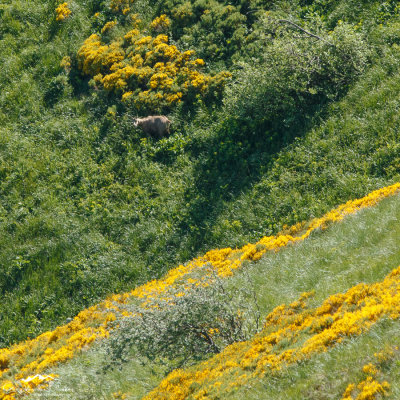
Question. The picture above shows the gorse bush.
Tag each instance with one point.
(150, 74)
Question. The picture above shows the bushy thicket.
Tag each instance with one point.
(187, 327)
(89, 206)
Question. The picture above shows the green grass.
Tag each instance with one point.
(362, 248)
(90, 208)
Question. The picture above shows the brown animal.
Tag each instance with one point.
(156, 126)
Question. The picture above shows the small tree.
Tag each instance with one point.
(185, 328)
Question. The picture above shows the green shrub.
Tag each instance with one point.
(186, 327)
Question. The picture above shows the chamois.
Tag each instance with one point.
(156, 126)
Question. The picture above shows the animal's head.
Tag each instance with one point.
(135, 122)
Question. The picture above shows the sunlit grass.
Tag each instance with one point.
(356, 250)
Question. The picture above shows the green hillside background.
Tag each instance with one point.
(293, 111)
(90, 206)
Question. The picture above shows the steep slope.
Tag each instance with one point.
(92, 207)
(361, 242)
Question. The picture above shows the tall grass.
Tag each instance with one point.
(362, 248)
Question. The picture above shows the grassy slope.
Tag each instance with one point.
(356, 250)
(64, 163)
(90, 209)
(348, 151)
(327, 375)
(364, 248)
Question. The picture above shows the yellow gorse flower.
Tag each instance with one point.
(367, 389)
(370, 388)
(66, 63)
(370, 369)
(24, 386)
(119, 395)
(121, 6)
(109, 25)
(62, 12)
(340, 315)
(153, 72)
(160, 24)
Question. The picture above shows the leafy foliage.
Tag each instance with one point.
(185, 329)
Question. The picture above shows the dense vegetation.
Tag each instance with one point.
(348, 260)
(274, 126)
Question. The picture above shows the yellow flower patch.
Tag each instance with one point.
(62, 12)
(121, 6)
(13, 391)
(108, 26)
(160, 24)
(154, 73)
(328, 323)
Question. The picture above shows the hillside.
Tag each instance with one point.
(353, 251)
(92, 207)
(280, 112)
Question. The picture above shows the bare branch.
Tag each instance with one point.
(306, 32)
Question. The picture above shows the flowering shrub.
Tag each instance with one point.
(368, 389)
(161, 23)
(109, 25)
(66, 63)
(146, 71)
(62, 12)
(120, 6)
